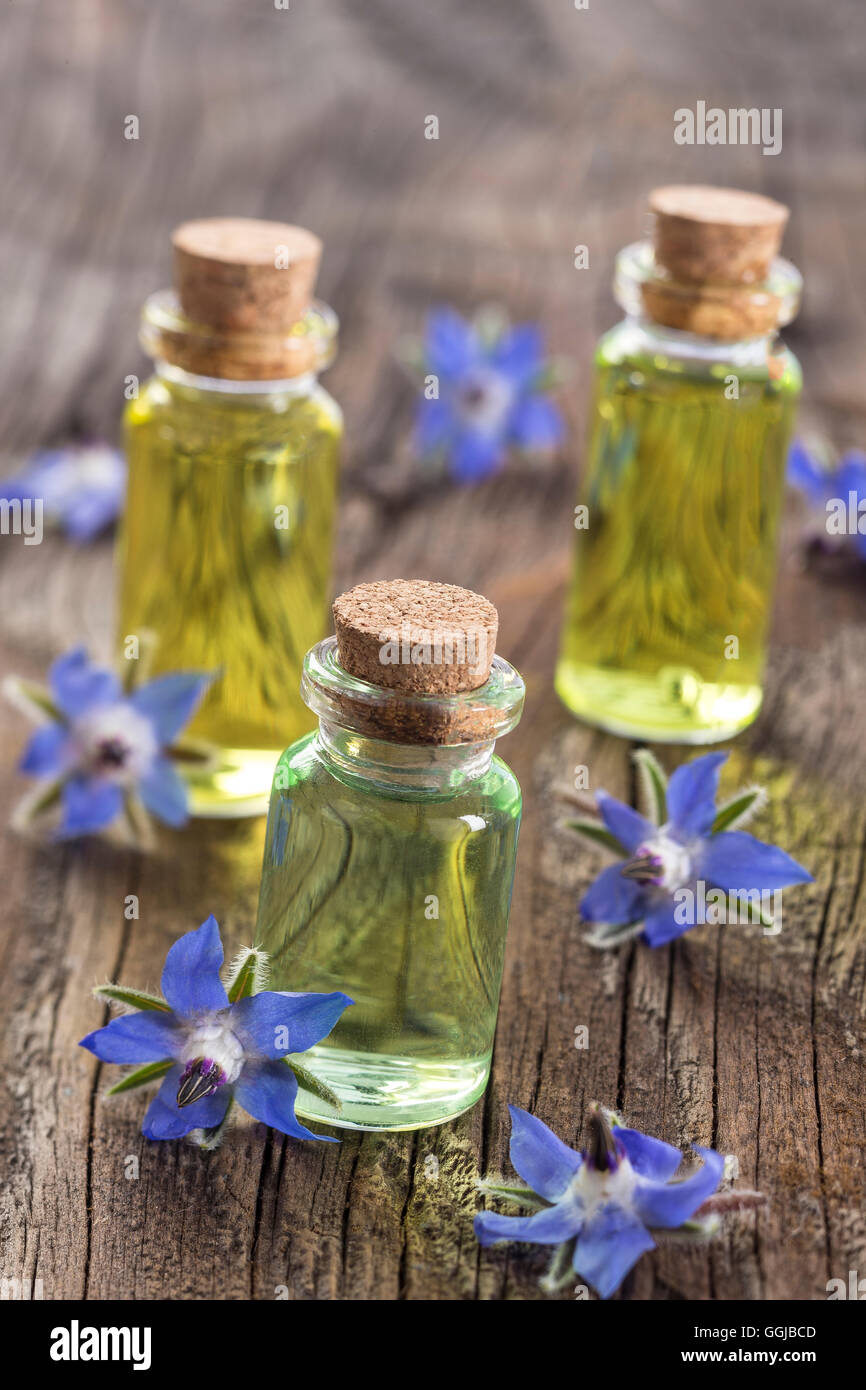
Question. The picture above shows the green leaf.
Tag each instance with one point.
(152, 1071)
(247, 973)
(33, 700)
(756, 913)
(605, 935)
(196, 753)
(37, 801)
(739, 809)
(555, 373)
(599, 834)
(701, 1229)
(136, 998)
(139, 826)
(410, 352)
(491, 323)
(213, 1137)
(521, 1196)
(560, 1272)
(313, 1084)
(654, 785)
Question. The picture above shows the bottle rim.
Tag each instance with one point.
(469, 717)
(645, 289)
(167, 335)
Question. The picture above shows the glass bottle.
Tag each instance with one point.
(695, 396)
(233, 451)
(388, 869)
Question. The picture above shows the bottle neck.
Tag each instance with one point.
(299, 386)
(236, 360)
(645, 336)
(401, 767)
(737, 316)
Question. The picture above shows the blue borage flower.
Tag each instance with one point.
(687, 842)
(490, 380)
(81, 487)
(102, 751)
(604, 1207)
(210, 1044)
(836, 495)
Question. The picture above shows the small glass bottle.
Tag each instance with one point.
(233, 452)
(390, 853)
(669, 602)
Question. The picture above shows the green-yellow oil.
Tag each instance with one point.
(675, 557)
(400, 899)
(225, 561)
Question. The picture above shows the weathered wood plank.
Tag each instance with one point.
(553, 123)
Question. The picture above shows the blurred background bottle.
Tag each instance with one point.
(233, 448)
(676, 530)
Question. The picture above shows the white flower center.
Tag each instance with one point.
(674, 860)
(116, 743)
(593, 1187)
(82, 470)
(213, 1039)
(484, 400)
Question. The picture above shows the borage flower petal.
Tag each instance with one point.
(88, 806)
(613, 898)
(280, 1023)
(169, 702)
(692, 791)
(451, 344)
(77, 686)
(163, 791)
(539, 1155)
(650, 1158)
(222, 1050)
(609, 1246)
(151, 1035)
(191, 975)
(268, 1092)
(549, 1227)
(81, 487)
(670, 1204)
(489, 397)
(685, 854)
(164, 1120)
(624, 823)
(44, 755)
(109, 750)
(606, 1202)
(735, 860)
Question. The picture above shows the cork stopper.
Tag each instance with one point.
(413, 663)
(416, 636)
(718, 236)
(713, 251)
(242, 275)
(242, 307)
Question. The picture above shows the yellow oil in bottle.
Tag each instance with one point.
(232, 447)
(225, 561)
(675, 557)
(676, 529)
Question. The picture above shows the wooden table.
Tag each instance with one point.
(553, 124)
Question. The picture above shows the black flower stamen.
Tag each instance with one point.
(111, 752)
(473, 396)
(200, 1078)
(644, 868)
(602, 1153)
